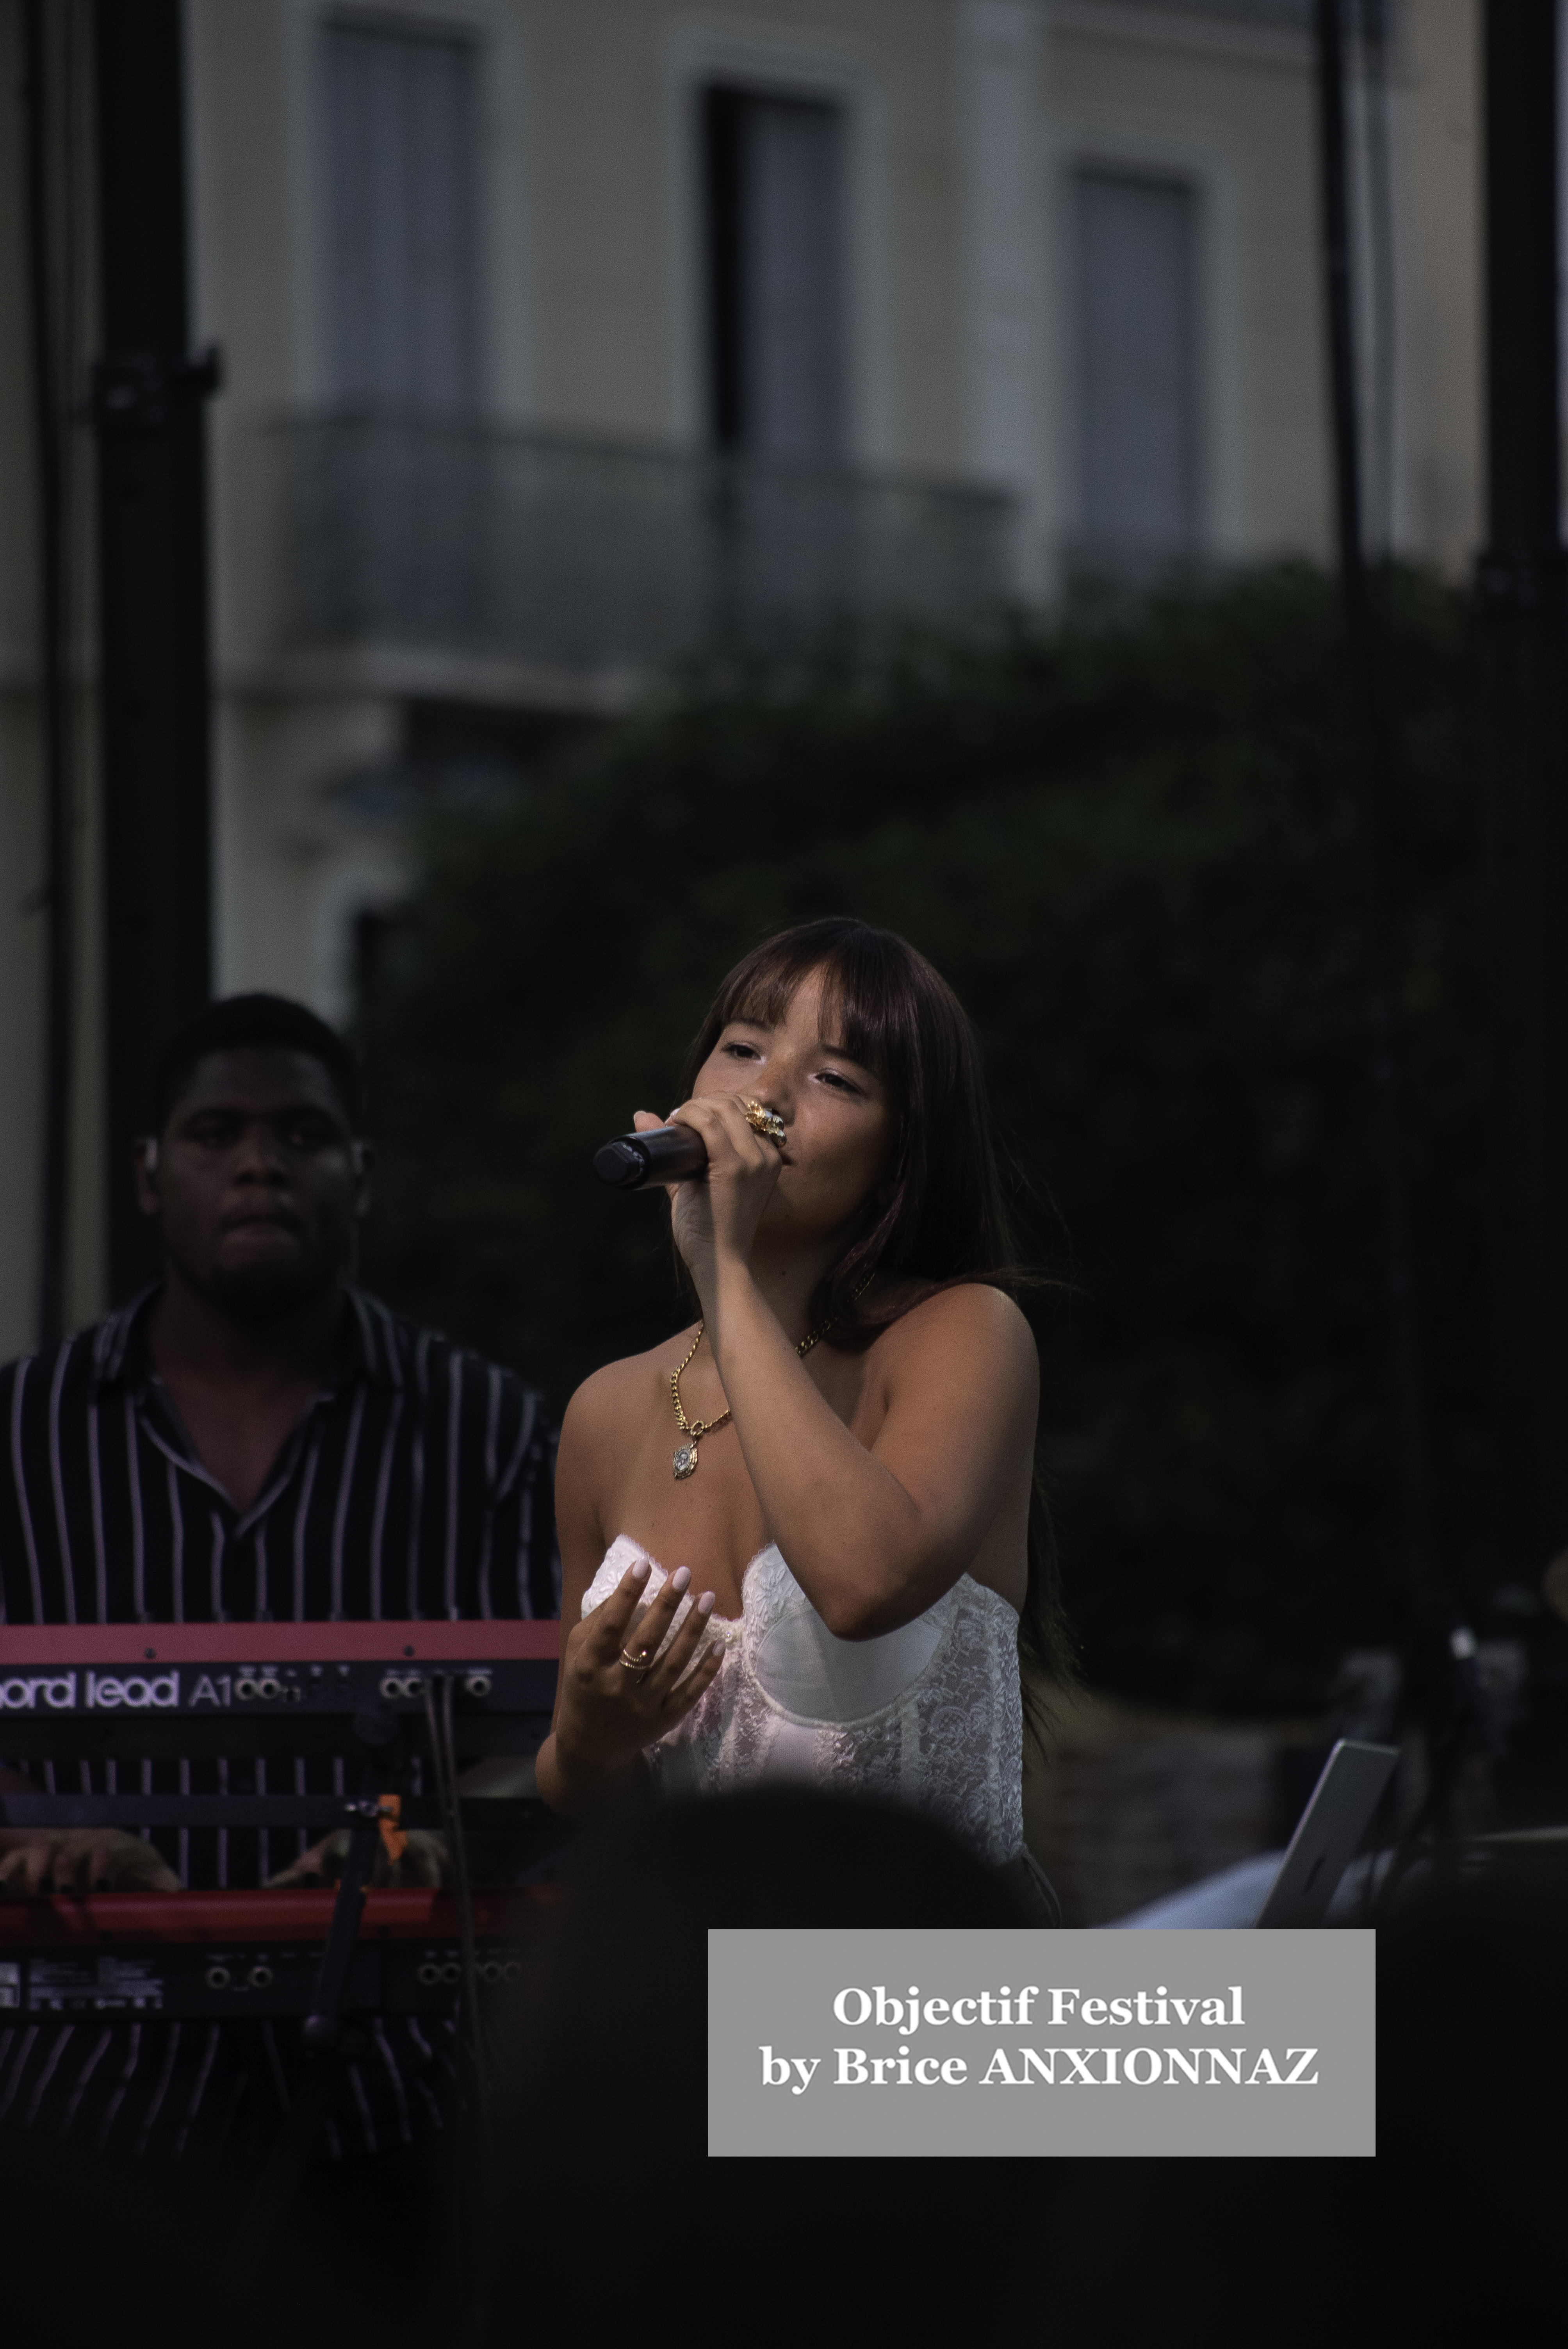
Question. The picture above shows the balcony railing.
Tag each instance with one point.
(587, 555)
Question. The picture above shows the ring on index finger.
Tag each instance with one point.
(635, 1661)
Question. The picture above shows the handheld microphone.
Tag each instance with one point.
(664, 1155)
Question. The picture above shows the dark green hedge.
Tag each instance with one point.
(1127, 841)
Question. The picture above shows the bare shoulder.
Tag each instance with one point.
(971, 1333)
(604, 1400)
(604, 1425)
(970, 1314)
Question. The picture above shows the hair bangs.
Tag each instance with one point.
(855, 1005)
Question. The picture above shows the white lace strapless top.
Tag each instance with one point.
(931, 1715)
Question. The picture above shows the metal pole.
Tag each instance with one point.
(1367, 750)
(152, 562)
(59, 900)
(1443, 1694)
(1522, 600)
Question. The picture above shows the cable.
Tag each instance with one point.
(463, 1889)
(443, 1753)
(473, 2173)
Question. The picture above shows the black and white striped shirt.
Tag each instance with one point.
(418, 1485)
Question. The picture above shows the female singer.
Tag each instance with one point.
(802, 1537)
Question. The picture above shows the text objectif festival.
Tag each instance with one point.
(1005, 2008)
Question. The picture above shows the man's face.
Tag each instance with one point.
(258, 1181)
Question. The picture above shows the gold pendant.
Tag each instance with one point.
(684, 1462)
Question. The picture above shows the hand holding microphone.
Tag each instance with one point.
(669, 1154)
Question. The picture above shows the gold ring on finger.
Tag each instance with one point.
(765, 1122)
(635, 1661)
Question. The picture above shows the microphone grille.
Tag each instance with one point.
(620, 1164)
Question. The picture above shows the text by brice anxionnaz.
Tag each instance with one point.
(1026, 2059)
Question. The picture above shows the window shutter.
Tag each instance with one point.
(402, 265)
(1136, 253)
(776, 240)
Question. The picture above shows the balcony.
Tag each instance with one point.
(576, 556)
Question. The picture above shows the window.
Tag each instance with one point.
(775, 237)
(1135, 270)
(400, 141)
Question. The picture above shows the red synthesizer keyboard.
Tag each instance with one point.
(377, 1696)
(398, 1706)
(231, 1955)
(75, 1690)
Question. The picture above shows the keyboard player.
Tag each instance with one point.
(253, 1438)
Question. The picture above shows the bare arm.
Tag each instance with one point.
(874, 1536)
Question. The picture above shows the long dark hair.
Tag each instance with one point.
(944, 1220)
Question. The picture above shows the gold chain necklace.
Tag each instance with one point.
(694, 1430)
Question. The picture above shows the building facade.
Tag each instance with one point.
(563, 339)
